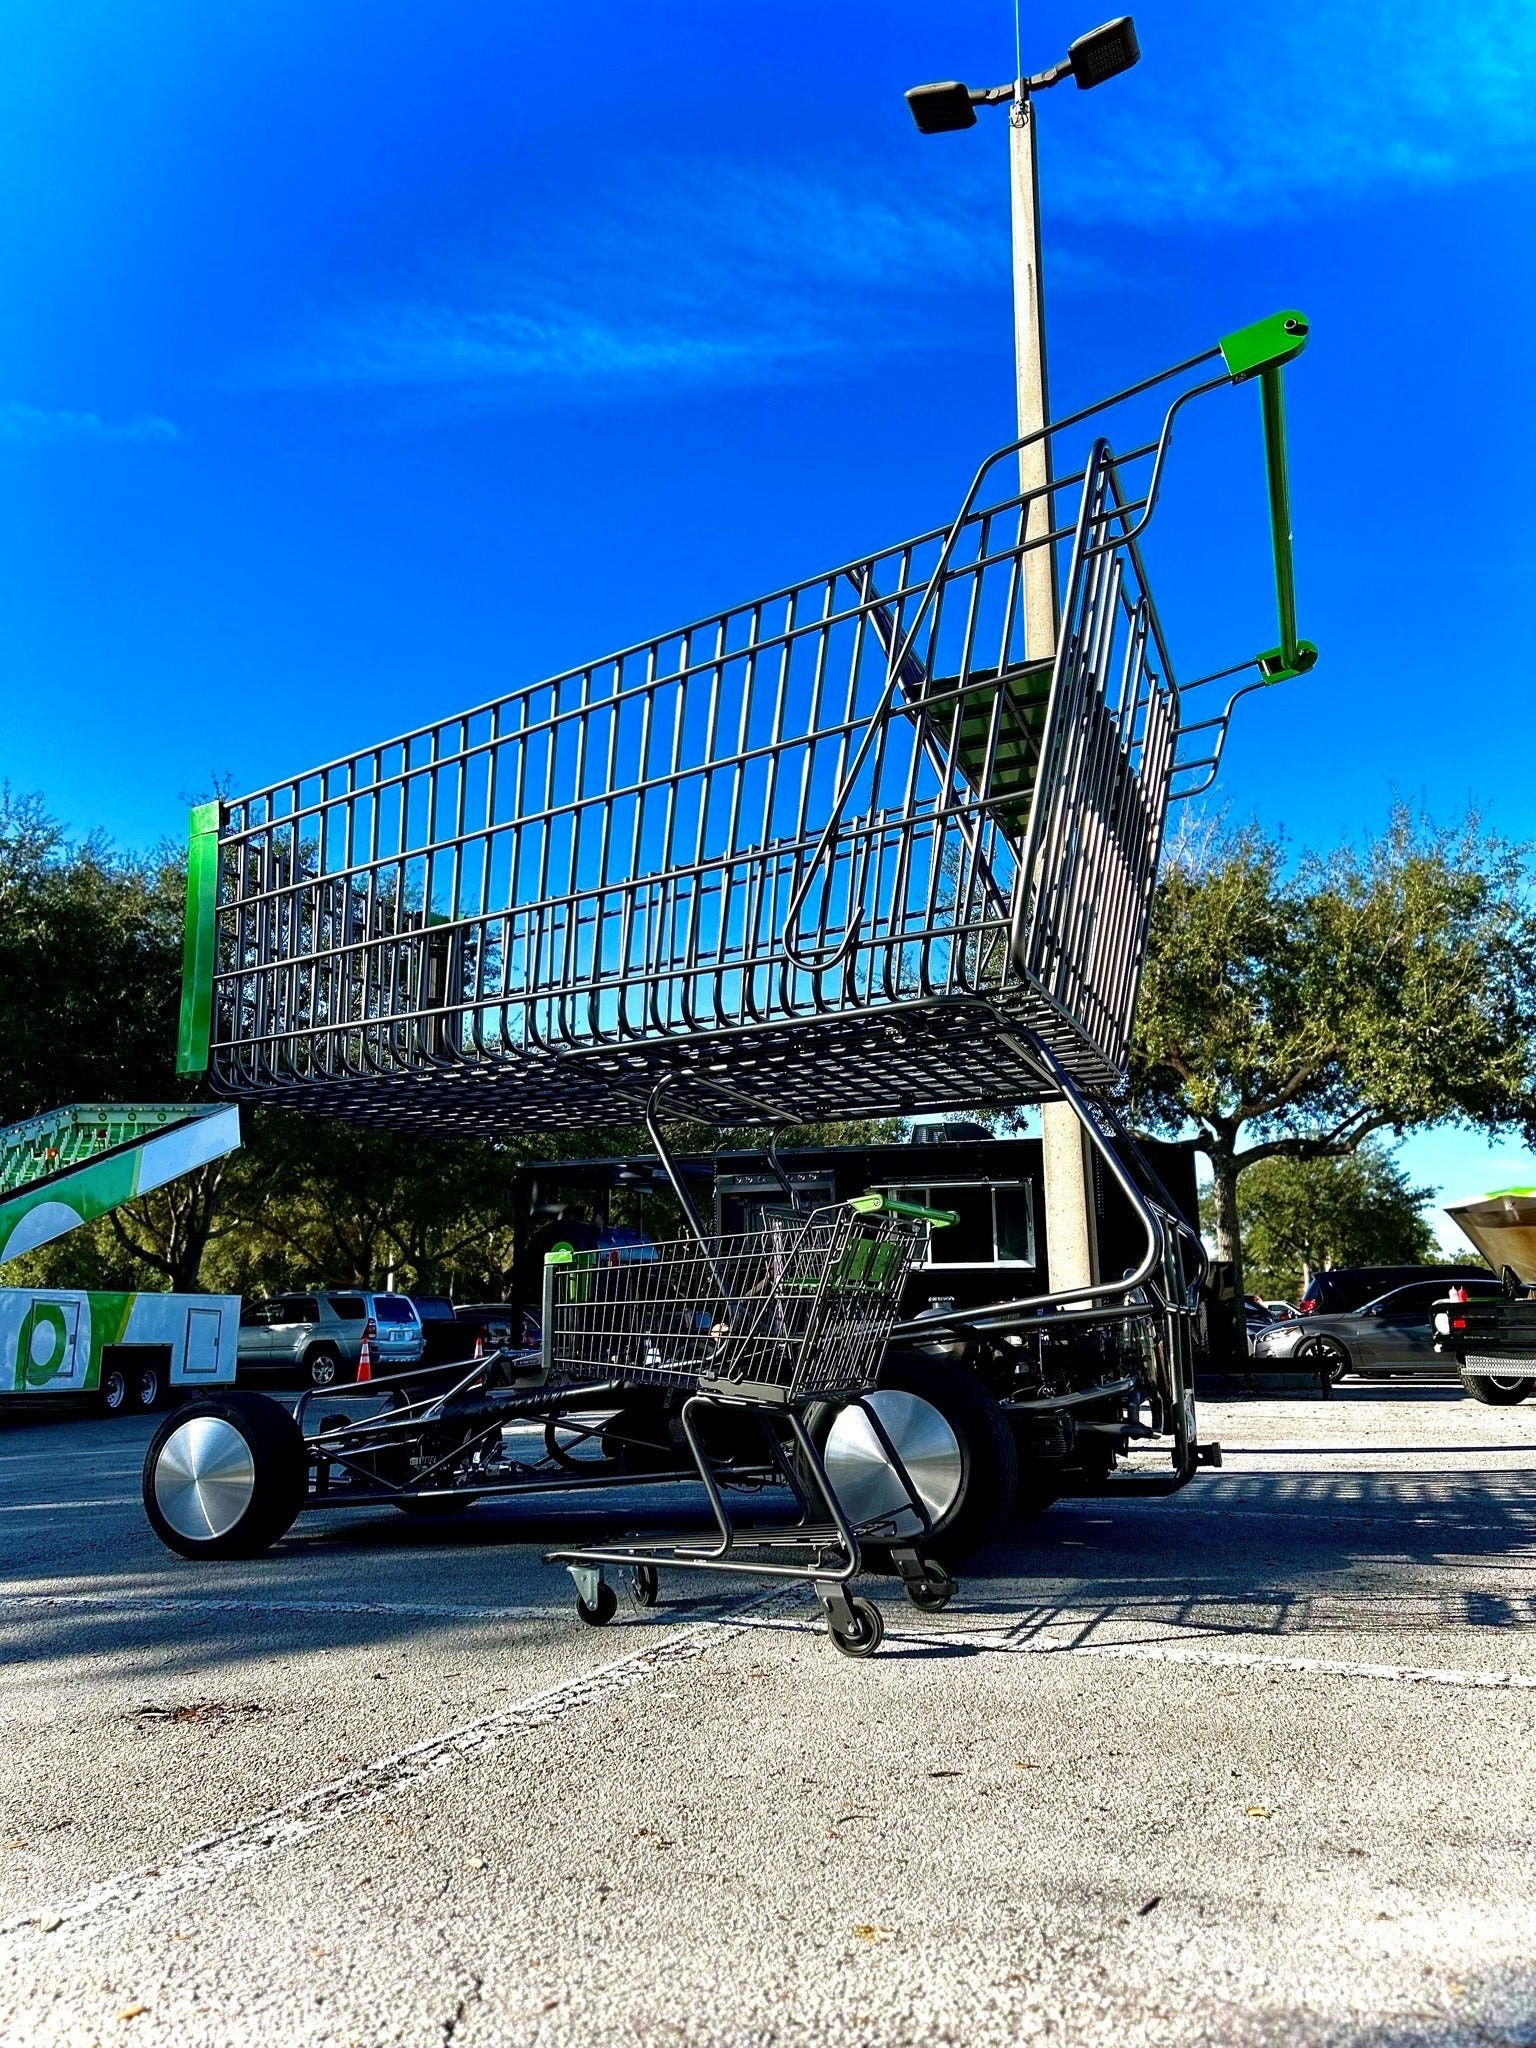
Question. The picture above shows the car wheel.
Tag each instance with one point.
(225, 1476)
(1326, 1355)
(323, 1365)
(1497, 1391)
(953, 1438)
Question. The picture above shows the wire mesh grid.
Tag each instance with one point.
(800, 1308)
(789, 845)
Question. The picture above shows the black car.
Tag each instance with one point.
(1339, 1289)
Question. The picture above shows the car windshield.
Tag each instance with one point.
(392, 1308)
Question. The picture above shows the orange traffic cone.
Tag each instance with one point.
(479, 1349)
(365, 1355)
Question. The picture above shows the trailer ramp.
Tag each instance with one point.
(70, 1166)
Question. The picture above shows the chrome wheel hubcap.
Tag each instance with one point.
(205, 1477)
(861, 1475)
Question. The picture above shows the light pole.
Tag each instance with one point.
(1071, 1238)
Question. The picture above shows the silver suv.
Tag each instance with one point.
(319, 1337)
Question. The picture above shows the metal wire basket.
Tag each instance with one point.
(799, 1309)
(782, 850)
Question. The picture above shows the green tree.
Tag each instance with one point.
(1290, 1011)
(1298, 1215)
(90, 967)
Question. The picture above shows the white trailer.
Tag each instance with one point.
(124, 1353)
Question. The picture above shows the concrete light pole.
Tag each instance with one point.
(1071, 1234)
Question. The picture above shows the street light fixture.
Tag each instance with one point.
(941, 109)
(1101, 54)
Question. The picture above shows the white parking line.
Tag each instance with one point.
(997, 1642)
(151, 1603)
(324, 1806)
(100, 1500)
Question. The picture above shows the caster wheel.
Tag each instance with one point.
(603, 1609)
(644, 1586)
(866, 1635)
(934, 1593)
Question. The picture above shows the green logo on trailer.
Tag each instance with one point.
(43, 1346)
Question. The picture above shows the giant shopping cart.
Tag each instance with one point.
(855, 848)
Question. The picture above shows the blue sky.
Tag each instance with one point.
(362, 359)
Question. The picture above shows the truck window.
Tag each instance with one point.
(392, 1308)
(348, 1308)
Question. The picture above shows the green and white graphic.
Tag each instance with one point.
(73, 1165)
(53, 1340)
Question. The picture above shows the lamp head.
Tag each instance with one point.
(937, 109)
(1104, 52)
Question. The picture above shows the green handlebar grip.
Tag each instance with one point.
(892, 1205)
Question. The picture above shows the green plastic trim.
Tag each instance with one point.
(874, 1204)
(562, 1255)
(200, 940)
(1278, 338)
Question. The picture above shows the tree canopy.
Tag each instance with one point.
(1291, 1009)
(1299, 1215)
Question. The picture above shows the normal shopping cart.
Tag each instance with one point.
(760, 1329)
(854, 848)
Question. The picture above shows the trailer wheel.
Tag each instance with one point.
(1497, 1391)
(225, 1476)
(148, 1388)
(955, 1441)
(113, 1393)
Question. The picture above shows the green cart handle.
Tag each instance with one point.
(874, 1204)
(1262, 351)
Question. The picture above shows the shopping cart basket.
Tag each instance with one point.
(835, 849)
(763, 1327)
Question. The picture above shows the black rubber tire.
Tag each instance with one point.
(638, 1440)
(114, 1396)
(281, 1465)
(868, 1631)
(1497, 1393)
(644, 1585)
(933, 1594)
(1325, 1353)
(147, 1389)
(324, 1366)
(607, 1606)
(990, 1464)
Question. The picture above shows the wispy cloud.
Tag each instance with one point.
(698, 274)
(35, 426)
(1342, 99)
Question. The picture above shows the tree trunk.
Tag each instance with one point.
(1222, 1153)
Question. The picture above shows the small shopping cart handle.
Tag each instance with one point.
(874, 1204)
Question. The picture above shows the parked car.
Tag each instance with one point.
(318, 1337)
(1381, 1338)
(1279, 1310)
(1340, 1288)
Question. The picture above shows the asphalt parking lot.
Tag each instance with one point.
(1249, 1765)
